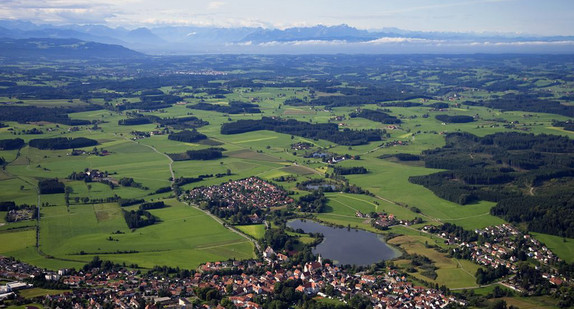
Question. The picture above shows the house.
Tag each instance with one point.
(269, 253)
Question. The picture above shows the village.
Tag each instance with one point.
(240, 282)
(504, 246)
(245, 193)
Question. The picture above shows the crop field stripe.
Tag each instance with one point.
(224, 245)
(254, 140)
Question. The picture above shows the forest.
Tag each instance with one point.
(25, 114)
(62, 143)
(201, 154)
(314, 202)
(187, 136)
(11, 144)
(507, 168)
(454, 119)
(339, 170)
(525, 103)
(234, 107)
(327, 131)
(376, 115)
(51, 186)
(140, 218)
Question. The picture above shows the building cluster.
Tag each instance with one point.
(383, 221)
(137, 135)
(394, 143)
(330, 158)
(389, 290)
(240, 281)
(301, 146)
(248, 192)
(21, 214)
(505, 246)
(506, 239)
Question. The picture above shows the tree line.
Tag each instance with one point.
(525, 103)
(187, 136)
(62, 143)
(11, 144)
(502, 168)
(326, 131)
(376, 115)
(25, 114)
(234, 107)
(211, 153)
(139, 218)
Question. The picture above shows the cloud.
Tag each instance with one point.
(523, 43)
(407, 45)
(214, 5)
(58, 11)
(393, 40)
(393, 13)
(304, 43)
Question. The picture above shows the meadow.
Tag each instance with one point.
(70, 236)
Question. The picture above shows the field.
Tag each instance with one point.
(35, 292)
(256, 231)
(71, 235)
(453, 273)
(185, 237)
(562, 246)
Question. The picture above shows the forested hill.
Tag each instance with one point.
(529, 176)
(63, 49)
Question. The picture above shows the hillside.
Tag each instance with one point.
(62, 49)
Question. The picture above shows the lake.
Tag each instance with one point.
(345, 246)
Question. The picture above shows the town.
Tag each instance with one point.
(228, 284)
(502, 247)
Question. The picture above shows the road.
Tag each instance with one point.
(163, 154)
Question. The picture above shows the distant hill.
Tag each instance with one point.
(185, 39)
(62, 49)
(324, 33)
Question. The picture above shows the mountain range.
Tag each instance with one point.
(36, 48)
(315, 39)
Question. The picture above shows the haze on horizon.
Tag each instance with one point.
(553, 17)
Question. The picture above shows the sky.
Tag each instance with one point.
(540, 17)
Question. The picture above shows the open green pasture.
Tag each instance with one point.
(451, 272)
(256, 231)
(342, 208)
(389, 180)
(561, 246)
(185, 236)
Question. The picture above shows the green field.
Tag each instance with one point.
(185, 236)
(256, 231)
(451, 272)
(561, 246)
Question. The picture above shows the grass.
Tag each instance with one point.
(329, 301)
(256, 231)
(530, 302)
(185, 237)
(26, 306)
(36, 292)
(451, 272)
(561, 246)
(17, 240)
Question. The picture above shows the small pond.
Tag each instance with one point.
(347, 246)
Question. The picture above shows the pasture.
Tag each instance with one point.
(451, 272)
(257, 231)
(186, 237)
